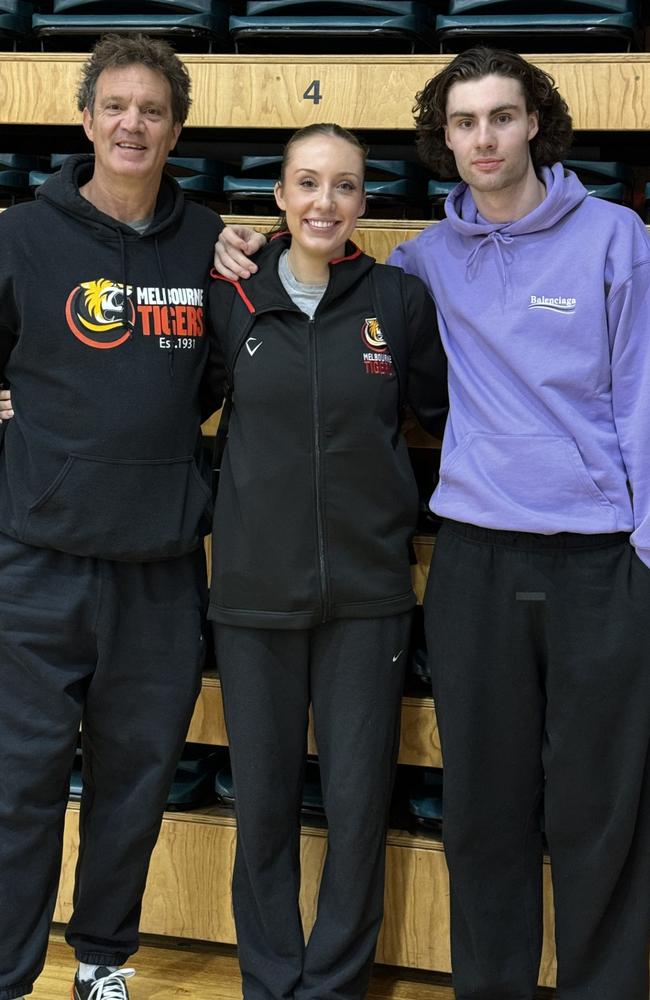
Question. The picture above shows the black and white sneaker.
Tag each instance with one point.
(106, 985)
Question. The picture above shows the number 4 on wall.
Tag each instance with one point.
(313, 92)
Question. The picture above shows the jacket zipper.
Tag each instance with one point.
(318, 478)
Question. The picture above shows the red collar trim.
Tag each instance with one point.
(238, 288)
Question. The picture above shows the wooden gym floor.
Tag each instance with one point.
(175, 970)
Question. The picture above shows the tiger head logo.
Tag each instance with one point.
(94, 312)
(372, 336)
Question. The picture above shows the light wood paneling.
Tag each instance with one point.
(208, 724)
(188, 890)
(604, 92)
(420, 740)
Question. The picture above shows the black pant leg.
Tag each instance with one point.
(486, 648)
(357, 679)
(265, 683)
(597, 764)
(137, 711)
(47, 653)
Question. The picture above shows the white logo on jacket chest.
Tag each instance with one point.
(553, 303)
(253, 344)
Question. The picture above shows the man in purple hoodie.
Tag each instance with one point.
(537, 604)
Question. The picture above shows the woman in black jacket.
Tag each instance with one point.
(311, 593)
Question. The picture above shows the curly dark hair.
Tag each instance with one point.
(555, 134)
(128, 50)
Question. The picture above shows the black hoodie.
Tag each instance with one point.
(100, 458)
(317, 499)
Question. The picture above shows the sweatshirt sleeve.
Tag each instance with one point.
(427, 375)
(410, 256)
(213, 382)
(629, 330)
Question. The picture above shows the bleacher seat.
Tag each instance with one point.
(605, 179)
(142, 6)
(437, 192)
(190, 24)
(15, 22)
(15, 172)
(540, 25)
(200, 178)
(334, 26)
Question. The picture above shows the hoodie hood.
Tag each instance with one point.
(62, 191)
(564, 192)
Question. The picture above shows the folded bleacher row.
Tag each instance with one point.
(360, 26)
(395, 189)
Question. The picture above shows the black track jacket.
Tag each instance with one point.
(317, 500)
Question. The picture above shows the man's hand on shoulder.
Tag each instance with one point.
(6, 412)
(233, 248)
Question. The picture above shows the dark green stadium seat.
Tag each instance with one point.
(23, 161)
(605, 179)
(14, 186)
(437, 192)
(539, 6)
(539, 32)
(15, 22)
(133, 6)
(189, 30)
(200, 178)
(425, 798)
(348, 25)
(38, 177)
(593, 171)
(21, 8)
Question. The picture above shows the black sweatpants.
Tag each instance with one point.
(118, 648)
(352, 672)
(540, 647)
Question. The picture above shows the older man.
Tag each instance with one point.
(103, 506)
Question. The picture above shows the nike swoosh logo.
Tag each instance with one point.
(249, 345)
(397, 655)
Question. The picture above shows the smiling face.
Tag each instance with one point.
(489, 130)
(131, 125)
(322, 196)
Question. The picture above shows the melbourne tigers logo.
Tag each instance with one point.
(95, 313)
(372, 336)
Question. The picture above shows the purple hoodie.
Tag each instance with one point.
(546, 324)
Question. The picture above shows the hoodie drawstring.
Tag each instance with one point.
(498, 239)
(126, 319)
(161, 271)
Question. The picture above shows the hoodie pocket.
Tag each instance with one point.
(121, 509)
(529, 482)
